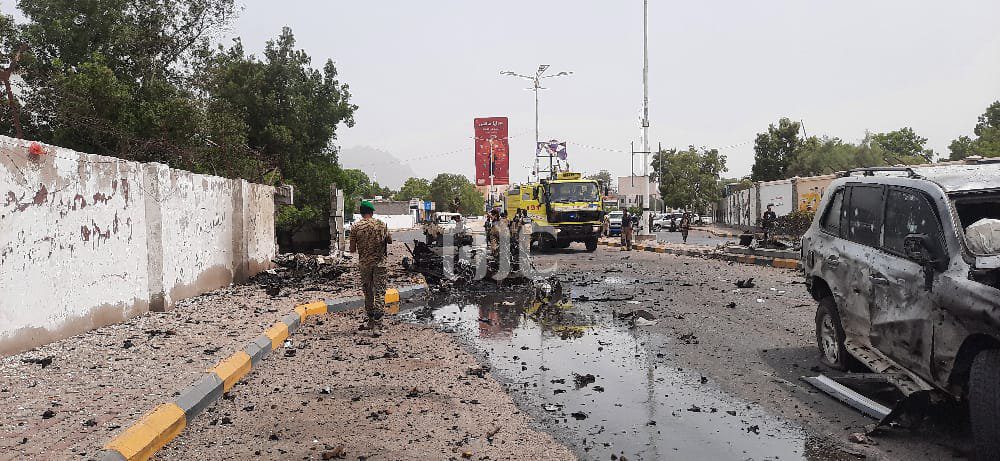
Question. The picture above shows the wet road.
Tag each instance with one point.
(589, 379)
(716, 377)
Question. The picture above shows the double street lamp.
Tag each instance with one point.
(536, 81)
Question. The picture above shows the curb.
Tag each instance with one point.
(781, 263)
(157, 428)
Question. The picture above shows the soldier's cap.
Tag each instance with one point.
(367, 206)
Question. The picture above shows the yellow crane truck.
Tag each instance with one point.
(563, 210)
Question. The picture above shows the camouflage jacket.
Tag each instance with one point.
(369, 239)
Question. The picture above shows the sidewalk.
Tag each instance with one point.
(68, 398)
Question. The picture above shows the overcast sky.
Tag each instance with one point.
(720, 71)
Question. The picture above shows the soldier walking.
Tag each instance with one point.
(370, 239)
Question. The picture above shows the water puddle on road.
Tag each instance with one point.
(588, 379)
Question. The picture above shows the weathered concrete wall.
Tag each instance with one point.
(87, 241)
(779, 194)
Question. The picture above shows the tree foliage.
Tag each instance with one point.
(446, 186)
(689, 178)
(140, 80)
(774, 150)
(903, 146)
(603, 178)
(414, 188)
(987, 141)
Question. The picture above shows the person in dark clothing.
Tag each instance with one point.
(685, 226)
(628, 224)
(767, 222)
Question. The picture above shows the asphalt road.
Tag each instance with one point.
(753, 345)
(716, 376)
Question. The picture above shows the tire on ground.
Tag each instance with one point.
(828, 308)
(592, 244)
(984, 404)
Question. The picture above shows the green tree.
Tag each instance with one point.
(446, 186)
(962, 147)
(603, 178)
(987, 141)
(287, 113)
(114, 77)
(903, 146)
(689, 178)
(825, 155)
(774, 150)
(414, 188)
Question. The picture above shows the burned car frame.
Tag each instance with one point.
(902, 292)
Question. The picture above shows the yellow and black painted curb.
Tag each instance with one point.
(158, 427)
(782, 263)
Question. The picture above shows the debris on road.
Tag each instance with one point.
(748, 283)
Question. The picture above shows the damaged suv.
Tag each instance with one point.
(905, 265)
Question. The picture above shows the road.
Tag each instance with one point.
(716, 377)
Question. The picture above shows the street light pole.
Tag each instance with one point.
(536, 81)
(645, 119)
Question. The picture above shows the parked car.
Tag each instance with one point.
(667, 221)
(615, 222)
(905, 266)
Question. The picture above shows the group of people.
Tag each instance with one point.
(630, 221)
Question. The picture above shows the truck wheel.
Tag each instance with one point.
(830, 335)
(984, 404)
(591, 245)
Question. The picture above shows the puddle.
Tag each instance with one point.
(637, 405)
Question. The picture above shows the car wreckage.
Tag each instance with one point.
(905, 265)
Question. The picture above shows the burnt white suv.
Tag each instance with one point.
(905, 264)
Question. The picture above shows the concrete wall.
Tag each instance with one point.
(87, 241)
(777, 193)
(810, 191)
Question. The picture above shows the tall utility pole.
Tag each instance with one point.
(536, 81)
(645, 120)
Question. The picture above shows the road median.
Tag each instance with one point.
(165, 422)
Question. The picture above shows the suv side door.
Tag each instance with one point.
(862, 232)
(901, 308)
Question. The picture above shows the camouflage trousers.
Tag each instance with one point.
(373, 285)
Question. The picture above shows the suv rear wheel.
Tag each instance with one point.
(830, 335)
(984, 404)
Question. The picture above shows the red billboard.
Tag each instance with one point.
(491, 151)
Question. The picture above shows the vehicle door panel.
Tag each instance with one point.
(862, 226)
(901, 308)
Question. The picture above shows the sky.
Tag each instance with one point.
(719, 72)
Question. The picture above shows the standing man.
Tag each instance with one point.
(627, 227)
(370, 240)
(767, 222)
(685, 226)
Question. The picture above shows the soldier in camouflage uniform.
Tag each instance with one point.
(370, 239)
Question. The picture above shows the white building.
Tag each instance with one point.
(631, 192)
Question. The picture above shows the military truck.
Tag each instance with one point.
(563, 210)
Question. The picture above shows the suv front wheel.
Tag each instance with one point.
(830, 335)
(984, 404)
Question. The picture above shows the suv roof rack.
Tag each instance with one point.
(870, 171)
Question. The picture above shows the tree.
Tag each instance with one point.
(12, 49)
(603, 178)
(825, 155)
(773, 151)
(446, 186)
(689, 178)
(114, 77)
(987, 141)
(414, 188)
(903, 146)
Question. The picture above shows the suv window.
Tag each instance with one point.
(831, 220)
(910, 213)
(863, 215)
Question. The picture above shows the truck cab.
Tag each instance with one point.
(563, 210)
